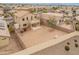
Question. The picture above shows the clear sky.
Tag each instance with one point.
(39, 1)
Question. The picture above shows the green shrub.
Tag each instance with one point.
(33, 11)
(51, 23)
(44, 11)
(10, 28)
(55, 8)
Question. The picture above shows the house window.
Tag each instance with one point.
(27, 18)
(67, 48)
(68, 43)
(31, 18)
(23, 19)
(8, 26)
(34, 25)
(75, 40)
(24, 24)
(76, 45)
(35, 17)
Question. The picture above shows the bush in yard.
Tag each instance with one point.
(51, 23)
(10, 28)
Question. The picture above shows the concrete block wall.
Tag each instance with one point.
(59, 49)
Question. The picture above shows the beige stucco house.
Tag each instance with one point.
(22, 9)
(39, 8)
(26, 20)
(45, 17)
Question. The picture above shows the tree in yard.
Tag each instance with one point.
(54, 8)
(52, 23)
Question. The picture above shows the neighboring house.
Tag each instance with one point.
(22, 9)
(45, 17)
(4, 33)
(26, 20)
(1, 17)
(1, 11)
(9, 20)
(77, 11)
(40, 8)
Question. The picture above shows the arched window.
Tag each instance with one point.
(67, 48)
(76, 45)
(75, 40)
(68, 43)
(23, 19)
(35, 16)
(27, 18)
(24, 24)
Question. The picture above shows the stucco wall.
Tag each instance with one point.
(4, 41)
(59, 48)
